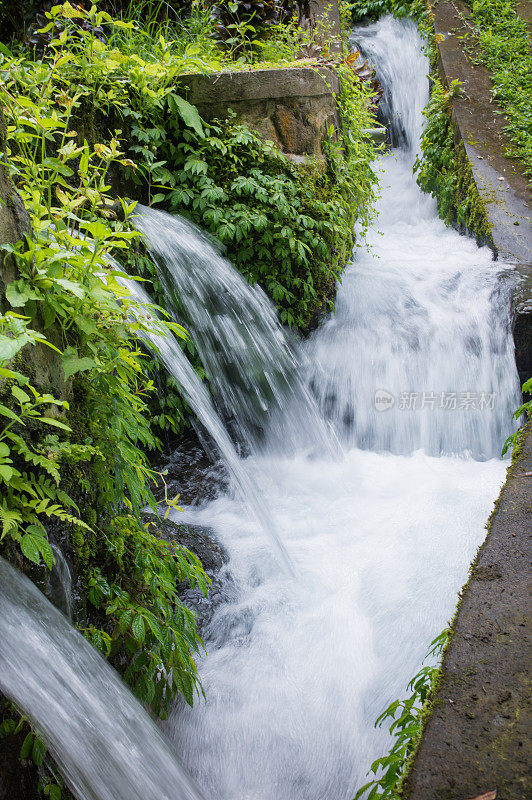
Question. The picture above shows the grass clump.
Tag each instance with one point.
(443, 168)
(502, 43)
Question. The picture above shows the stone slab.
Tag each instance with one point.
(267, 84)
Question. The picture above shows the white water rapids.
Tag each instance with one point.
(376, 484)
(382, 537)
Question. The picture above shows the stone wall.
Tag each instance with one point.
(292, 107)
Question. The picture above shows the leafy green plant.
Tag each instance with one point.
(296, 222)
(68, 285)
(151, 634)
(42, 32)
(373, 9)
(524, 410)
(443, 169)
(239, 23)
(407, 724)
(29, 476)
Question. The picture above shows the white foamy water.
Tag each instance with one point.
(103, 740)
(298, 670)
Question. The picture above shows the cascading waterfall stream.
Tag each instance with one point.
(296, 672)
(247, 355)
(197, 395)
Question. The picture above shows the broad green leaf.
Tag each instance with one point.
(30, 549)
(139, 631)
(76, 288)
(27, 744)
(9, 348)
(188, 113)
(55, 423)
(16, 297)
(72, 364)
(6, 472)
(97, 230)
(126, 617)
(38, 752)
(10, 374)
(6, 412)
(21, 395)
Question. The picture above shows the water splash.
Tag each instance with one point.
(396, 52)
(106, 745)
(419, 354)
(59, 583)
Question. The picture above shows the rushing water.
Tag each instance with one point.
(104, 742)
(416, 372)
(247, 355)
(197, 395)
(377, 480)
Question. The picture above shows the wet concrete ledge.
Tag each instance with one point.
(500, 181)
(477, 738)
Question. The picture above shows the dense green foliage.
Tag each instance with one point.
(287, 227)
(502, 42)
(373, 9)
(91, 475)
(406, 727)
(239, 23)
(443, 168)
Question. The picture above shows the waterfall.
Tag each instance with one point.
(416, 372)
(59, 583)
(106, 745)
(426, 312)
(397, 55)
(249, 358)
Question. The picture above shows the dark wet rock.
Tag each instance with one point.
(202, 542)
(187, 470)
(198, 539)
(18, 780)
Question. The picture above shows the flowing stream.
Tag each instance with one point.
(373, 465)
(415, 371)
